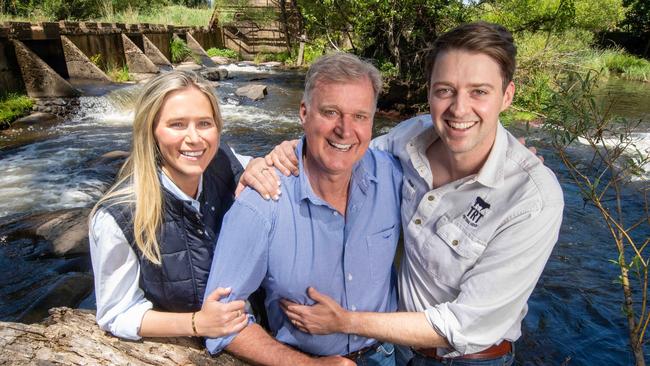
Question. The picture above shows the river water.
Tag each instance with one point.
(574, 316)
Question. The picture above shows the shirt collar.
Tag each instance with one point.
(361, 177)
(491, 174)
(169, 185)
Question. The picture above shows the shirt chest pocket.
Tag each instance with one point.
(381, 250)
(452, 253)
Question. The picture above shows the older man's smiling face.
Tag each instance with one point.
(338, 125)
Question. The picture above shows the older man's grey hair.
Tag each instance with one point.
(340, 68)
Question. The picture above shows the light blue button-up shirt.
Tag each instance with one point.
(302, 241)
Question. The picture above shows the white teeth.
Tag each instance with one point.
(192, 154)
(460, 125)
(343, 147)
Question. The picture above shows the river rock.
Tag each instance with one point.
(71, 337)
(220, 60)
(188, 66)
(37, 119)
(215, 73)
(271, 64)
(252, 91)
(67, 290)
(66, 230)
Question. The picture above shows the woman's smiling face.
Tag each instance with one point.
(187, 137)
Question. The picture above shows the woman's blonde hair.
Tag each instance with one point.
(138, 183)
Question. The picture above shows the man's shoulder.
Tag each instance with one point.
(536, 178)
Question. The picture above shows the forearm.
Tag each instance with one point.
(163, 324)
(257, 347)
(405, 328)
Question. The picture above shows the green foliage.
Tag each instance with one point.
(222, 52)
(179, 50)
(637, 17)
(552, 15)
(233, 11)
(602, 174)
(96, 59)
(630, 67)
(118, 74)
(267, 57)
(13, 106)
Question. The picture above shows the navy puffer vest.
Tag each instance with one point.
(187, 238)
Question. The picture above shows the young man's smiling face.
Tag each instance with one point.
(338, 124)
(465, 98)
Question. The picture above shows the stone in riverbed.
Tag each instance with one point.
(214, 73)
(252, 91)
(188, 66)
(66, 230)
(68, 290)
(37, 119)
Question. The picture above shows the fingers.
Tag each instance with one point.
(283, 157)
(522, 140)
(264, 181)
(317, 296)
(218, 293)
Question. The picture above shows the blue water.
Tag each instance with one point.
(574, 317)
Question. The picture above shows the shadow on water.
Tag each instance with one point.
(574, 313)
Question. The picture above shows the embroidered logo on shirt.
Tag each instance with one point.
(476, 212)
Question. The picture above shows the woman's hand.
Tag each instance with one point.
(283, 157)
(217, 319)
(260, 175)
(326, 316)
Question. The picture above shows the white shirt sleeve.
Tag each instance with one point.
(243, 159)
(120, 301)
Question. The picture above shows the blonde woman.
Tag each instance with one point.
(152, 235)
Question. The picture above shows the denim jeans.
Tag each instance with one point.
(382, 355)
(505, 360)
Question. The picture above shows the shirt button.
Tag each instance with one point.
(212, 208)
(349, 276)
(417, 221)
(335, 213)
(353, 308)
(454, 242)
(200, 232)
(431, 198)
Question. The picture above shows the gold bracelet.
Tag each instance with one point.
(196, 334)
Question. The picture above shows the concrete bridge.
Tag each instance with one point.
(41, 58)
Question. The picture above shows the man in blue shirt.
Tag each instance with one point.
(336, 229)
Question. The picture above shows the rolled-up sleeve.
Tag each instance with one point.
(241, 256)
(121, 303)
(493, 294)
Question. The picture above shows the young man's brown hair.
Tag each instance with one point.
(480, 37)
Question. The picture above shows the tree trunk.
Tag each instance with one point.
(71, 337)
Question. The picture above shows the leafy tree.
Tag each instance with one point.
(638, 15)
(605, 177)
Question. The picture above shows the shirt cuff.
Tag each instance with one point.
(216, 345)
(127, 325)
(445, 323)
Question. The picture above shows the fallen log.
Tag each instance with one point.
(71, 337)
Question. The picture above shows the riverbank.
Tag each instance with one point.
(12, 107)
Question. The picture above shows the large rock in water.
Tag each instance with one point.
(71, 337)
(252, 91)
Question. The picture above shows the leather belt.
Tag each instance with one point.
(495, 351)
(360, 352)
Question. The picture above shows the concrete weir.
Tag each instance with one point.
(42, 58)
(79, 65)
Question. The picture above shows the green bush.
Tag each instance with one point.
(222, 52)
(118, 74)
(13, 106)
(283, 57)
(179, 50)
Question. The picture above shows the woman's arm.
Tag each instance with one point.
(122, 308)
